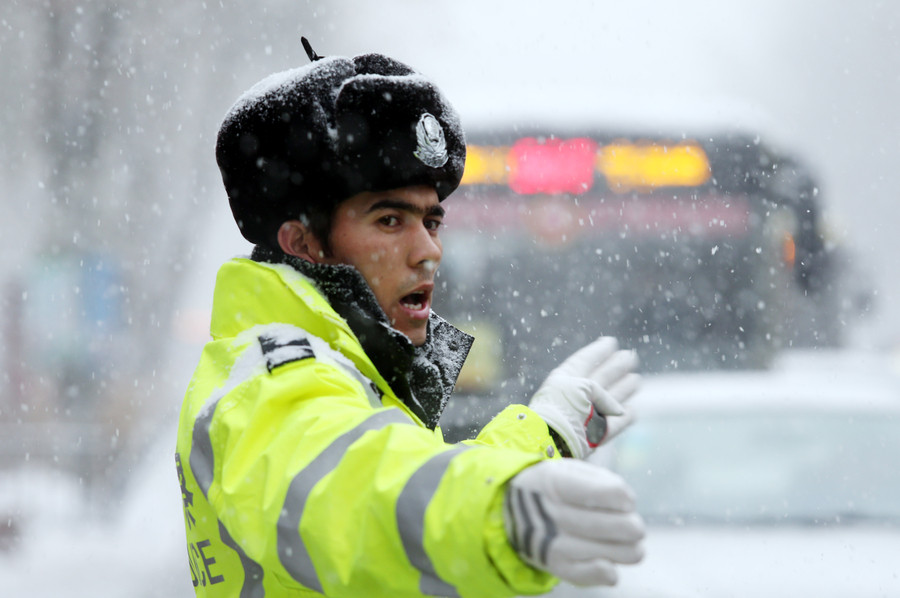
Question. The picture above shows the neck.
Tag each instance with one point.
(422, 377)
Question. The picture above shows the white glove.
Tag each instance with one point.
(598, 378)
(573, 519)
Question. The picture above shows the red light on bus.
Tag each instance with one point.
(552, 166)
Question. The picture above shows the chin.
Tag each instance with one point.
(417, 336)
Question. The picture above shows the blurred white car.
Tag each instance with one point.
(764, 484)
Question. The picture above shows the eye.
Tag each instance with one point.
(433, 224)
(389, 220)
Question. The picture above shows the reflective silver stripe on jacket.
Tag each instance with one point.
(202, 458)
(249, 363)
(369, 387)
(252, 362)
(202, 465)
(253, 572)
(533, 530)
(411, 506)
(284, 343)
(292, 550)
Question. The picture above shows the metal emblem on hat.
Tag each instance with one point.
(432, 147)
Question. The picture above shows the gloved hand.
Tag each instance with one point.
(597, 379)
(573, 519)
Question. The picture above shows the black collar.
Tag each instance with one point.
(422, 377)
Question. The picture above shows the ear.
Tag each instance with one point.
(296, 239)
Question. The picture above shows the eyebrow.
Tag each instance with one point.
(406, 206)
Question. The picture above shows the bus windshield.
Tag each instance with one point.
(698, 254)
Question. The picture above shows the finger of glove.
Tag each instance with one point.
(614, 367)
(604, 401)
(588, 358)
(624, 388)
(615, 425)
(597, 572)
(579, 549)
(583, 485)
(608, 527)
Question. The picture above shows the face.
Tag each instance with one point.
(391, 237)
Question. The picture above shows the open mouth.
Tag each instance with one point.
(415, 301)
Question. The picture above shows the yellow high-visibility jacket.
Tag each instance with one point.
(303, 474)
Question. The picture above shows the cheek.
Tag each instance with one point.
(376, 270)
(382, 256)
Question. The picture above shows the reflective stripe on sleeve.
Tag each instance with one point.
(282, 344)
(533, 530)
(372, 392)
(202, 458)
(411, 506)
(253, 572)
(202, 461)
(292, 550)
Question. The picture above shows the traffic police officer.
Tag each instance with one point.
(308, 450)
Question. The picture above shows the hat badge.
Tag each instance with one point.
(431, 147)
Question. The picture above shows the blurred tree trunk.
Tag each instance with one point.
(108, 175)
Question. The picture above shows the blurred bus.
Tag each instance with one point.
(699, 253)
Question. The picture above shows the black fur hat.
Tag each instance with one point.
(327, 131)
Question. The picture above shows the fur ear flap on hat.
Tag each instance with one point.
(322, 133)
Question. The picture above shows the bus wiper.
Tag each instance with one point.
(842, 518)
(847, 518)
(688, 519)
(860, 517)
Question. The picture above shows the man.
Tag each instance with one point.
(308, 450)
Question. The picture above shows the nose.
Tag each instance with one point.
(426, 249)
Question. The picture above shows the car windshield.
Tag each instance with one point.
(746, 468)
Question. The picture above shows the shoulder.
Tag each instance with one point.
(250, 293)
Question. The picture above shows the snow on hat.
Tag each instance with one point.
(329, 130)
